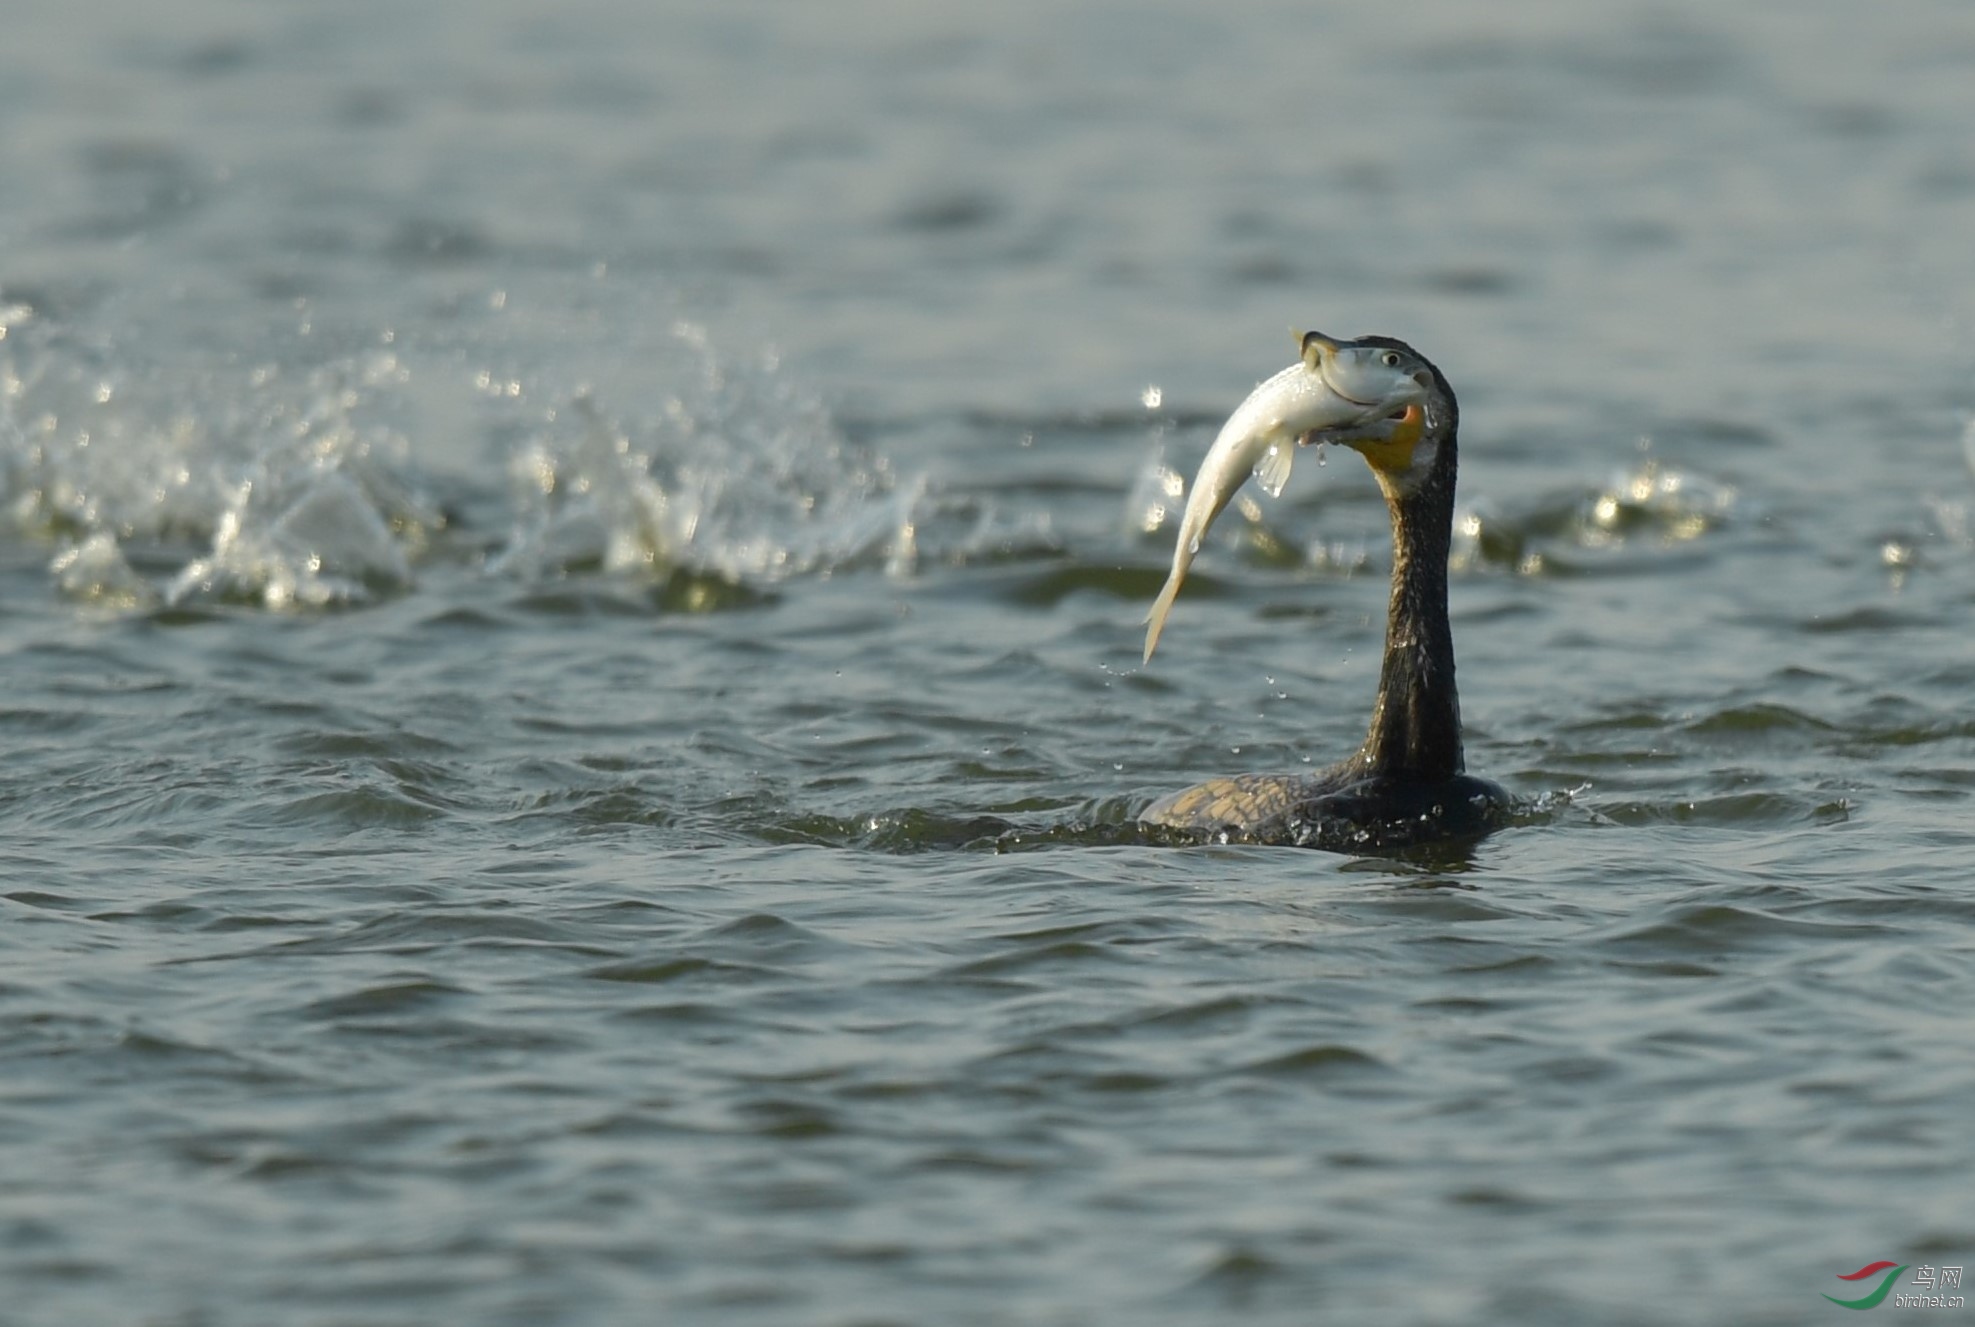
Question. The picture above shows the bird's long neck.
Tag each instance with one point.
(1416, 724)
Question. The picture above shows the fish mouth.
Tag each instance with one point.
(1344, 395)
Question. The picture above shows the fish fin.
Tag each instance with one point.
(1155, 621)
(1272, 470)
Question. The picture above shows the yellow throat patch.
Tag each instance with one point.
(1394, 455)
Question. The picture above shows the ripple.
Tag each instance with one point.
(794, 1120)
(1750, 810)
(1237, 1270)
(1760, 718)
(1322, 1061)
(1706, 928)
(662, 971)
(948, 211)
(387, 999)
(1064, 954)
(1872, 619)
(689, 1013)
(359, 809)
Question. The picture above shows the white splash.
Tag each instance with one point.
(241, 483)
(740, 476)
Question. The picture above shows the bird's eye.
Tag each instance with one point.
(1390, 359)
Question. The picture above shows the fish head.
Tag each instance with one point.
(1376, 374)
(1401, 398)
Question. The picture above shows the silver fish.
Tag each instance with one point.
(1335, 385)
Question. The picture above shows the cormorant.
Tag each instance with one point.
(1408, 783)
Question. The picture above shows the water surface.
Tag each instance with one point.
(570, 593)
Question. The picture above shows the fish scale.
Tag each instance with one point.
(1260, 439)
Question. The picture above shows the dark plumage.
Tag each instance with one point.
(1408, 783)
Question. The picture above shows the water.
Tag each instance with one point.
(572, 582)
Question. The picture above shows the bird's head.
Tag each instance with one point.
(1409, 408)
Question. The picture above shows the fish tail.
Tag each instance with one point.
(1155, 621)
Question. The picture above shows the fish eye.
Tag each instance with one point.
(1390, 359)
